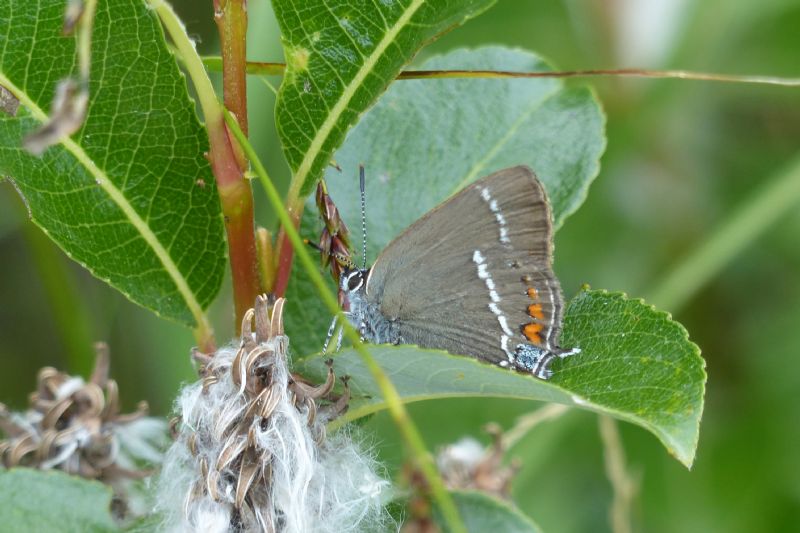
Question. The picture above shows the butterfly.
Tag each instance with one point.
(473, 276)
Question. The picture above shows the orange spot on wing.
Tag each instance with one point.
(532, 293)
(531, 332)
(535, 311)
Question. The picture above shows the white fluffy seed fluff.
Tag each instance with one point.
(309, 482)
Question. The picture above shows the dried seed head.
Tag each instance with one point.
(76, 426)
(251, 451)
(467, 465)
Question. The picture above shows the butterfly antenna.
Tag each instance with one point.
(363, 213)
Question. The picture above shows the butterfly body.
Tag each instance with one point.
(473, 276)
(365, 314)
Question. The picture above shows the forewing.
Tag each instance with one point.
(474, 276)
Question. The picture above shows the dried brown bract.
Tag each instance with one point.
(66, 116)
(334, 241)
(8, 102)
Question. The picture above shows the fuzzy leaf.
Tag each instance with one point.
(129, 195)
(33, 500)
(426, 139)
(481, 512)
(636, 364)
(340, 55)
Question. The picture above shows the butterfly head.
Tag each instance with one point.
(352, 282)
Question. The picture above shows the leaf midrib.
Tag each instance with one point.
(118, 197)
(349, 91)
(678, 449)
(673, 443)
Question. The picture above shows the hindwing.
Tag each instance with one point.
(474, 275)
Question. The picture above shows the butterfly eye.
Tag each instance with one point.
(354, 281)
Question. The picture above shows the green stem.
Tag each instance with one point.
(191, 61)
(396, 408)
(277, 69)
(781, 194)
(236, 196)
(623, 485)
(85, 39)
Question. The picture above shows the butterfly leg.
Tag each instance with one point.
(562, 353)
(328, 338)
(339, 339)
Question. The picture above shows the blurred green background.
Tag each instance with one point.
(682, 157)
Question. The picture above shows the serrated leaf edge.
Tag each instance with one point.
(686, 457)
(116, 195)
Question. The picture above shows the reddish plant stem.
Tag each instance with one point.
(285, 249)
(205, 341)
(231, 19)
(229, 163)
(236, 198)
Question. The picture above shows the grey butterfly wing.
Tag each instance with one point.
(474, 276)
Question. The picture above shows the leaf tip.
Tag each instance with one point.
(675, 419)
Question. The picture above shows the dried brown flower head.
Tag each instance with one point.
(76, 426)
(71, 425)
(467, 465)
(258, 457)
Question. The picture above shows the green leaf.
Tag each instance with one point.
(483, 513)
(130, 195)
(636, 364)
(340, 55)
(33, 500)
(146, 524)
(426, 139)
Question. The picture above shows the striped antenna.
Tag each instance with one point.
(363, 213)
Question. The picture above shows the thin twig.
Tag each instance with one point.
(231, 19)
(277, 69)
(527, 422)
(622, 483)
(85, 39)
